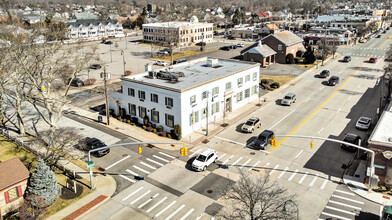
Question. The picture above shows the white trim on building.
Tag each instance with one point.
(95, 29)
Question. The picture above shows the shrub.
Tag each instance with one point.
(168, 135)
(275, 85)
(299, 53)
(163, 134)
(134, 120)
(89, 82)
(154, 130)
(145, 120)
(177, 130)
(128, 73)
(290, 58)
(129, 121)
(150, 129)
(159, 128)
(144, 127)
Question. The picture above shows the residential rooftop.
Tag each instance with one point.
(382, 133)
(12, 171)
(174, 24)
(194, 73)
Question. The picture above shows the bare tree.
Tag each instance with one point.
(33, 206)
(255, 198)
(170, 38)
(325, 49)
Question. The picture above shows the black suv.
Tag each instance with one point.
(353, 139)
(347, 59)
(225, 48)
(324, 74)
(179, 60)
(263, 139)
(333, 80)
(77, 82)
(94, 143)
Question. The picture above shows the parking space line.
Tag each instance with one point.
(144, 171)
(147, 201)
(299, 154)
(156, 204)
(340, 210)
(321, 88)
(175, 212)
(344, 198)
(245, 163)
(282, 173)
(236, 161)
(273, 170)
(344, 204)
(130, 180)
(148, 165)
(117, 162)
(166, 208)
(133, 193)
(292, 175)
(153, 161)
(195, 153)
(303, 178)
(314, 180)
(227, 159)
(344, 192)
(131, 172)
(144, 194)
(307, 100)
(223, 155)
(187, 214)
(281, 119)
(254, 165)
(167, 155)
(320, 130)
(334, 216)
(324, 184)
(161, 158)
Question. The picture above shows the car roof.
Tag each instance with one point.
(364, 119)
(350, 137)
(290, 94)
(334, 77)
(253, 119)
(207, 152)
(266, 133)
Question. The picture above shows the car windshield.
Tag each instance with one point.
(261, 137)
(324, 71)
(287, 97)
(249, 123)
(363, 122)
(201, 158)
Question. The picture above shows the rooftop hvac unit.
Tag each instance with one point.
(212, 62)
(152, 74)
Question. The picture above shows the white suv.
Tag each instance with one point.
(204, 160)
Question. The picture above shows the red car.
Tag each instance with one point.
(373, 60)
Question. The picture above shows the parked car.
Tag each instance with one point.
(378, 36)
(230, 37)
(203, 160)
(94, 143)
(363, 123)
(363, 40)
(263, 139)
(333, 80)
(353, 139)
(95, 66)
(373, 60)
(388, 28)
(234, 46)
(161, 63)
(324, 74)
(108, 42)
(163, 52)
(384, 32)
(77, 82)
(179, 60)
(251, 124)
(289, 99)
(201, 44)
(347, 59)
(240, 45)
(227, 48)
(248, 39)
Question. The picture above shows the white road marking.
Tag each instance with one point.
(350, 97)
(133, 193)
(344, 204)
(307, 100)
(130, 180)
(245, 163)
(284, 171)
(117, 162)
(131, 172)
(339, 110)
(314, 180)
(344, 198)
(381, 210)
(231, 141)
(340, 210)
(187, 214)
(221, 156)
(156, 204)
(303, 178)
(299, 154)
(321, 88)
(324, 184)
(320, 130)
(144, 194)
(224, 162)
(273, 170)
(144, 171)
(236, 161)
(147, 201)
(167, 155)
(292, 175)
(166, 208)
(161, 158)
(153, 161)
(254, 165)
(148, 165)
(344, 192)
(175, 212)
(281, 119)
(195, 153)
(335, 216)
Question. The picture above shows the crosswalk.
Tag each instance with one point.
(342, 205)
(363, 55)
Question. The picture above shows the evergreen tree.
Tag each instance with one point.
(309, 57)
(43, 182)
(238, 17)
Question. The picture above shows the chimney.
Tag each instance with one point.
(259, 43)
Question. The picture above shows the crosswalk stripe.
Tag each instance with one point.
(340, 210)
(130, 180)
(224, 162)
(144, 171)
(153, 161)
(236, 161)
(282, 173)
(133, 193)
(148, 165)
(351, 200)
(156, 204)
(147, 201)
(117, 162)
(254, 165)
(166, 208)
(273, 170)
(194, 153)
(334, 216)
(160, 158)
(245, 163)
(175, 212)
(131, 172)
(344, 204)
(292, 175)
(344, 192)
(324, 184)
(303, 178)
(187, 214)
(144, 194)
(167, 155)
(314, 180)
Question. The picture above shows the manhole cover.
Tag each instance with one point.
(210, 191)
(101, 169)
(81, 129)
(252, 153)
(124, 155)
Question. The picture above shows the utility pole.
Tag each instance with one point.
(126, 42)
(123, 54)
(106, 76)
(111, 58)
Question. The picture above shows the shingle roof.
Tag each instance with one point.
(272, 26)
(264, 50)
(87, 22)
(288, 38)
(12, 171)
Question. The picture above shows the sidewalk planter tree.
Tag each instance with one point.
(176, 132)
(146, 120)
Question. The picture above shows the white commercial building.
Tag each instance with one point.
(180, 94)
(95, 29)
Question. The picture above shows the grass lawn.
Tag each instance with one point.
(282, 79)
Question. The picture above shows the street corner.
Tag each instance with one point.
(227, 174)
(178, 163)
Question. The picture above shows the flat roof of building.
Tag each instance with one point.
(382, 133)
(196, 73)
(174, 24)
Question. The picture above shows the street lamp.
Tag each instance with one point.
(123, 54)
(291, 201)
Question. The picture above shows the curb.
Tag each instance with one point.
(87, 208)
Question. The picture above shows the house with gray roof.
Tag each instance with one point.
(94, 29)
(262, 54)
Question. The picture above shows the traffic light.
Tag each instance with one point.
(185, 151)
(140, 149)
(182, 151)
(273, 142)
(311, 144)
